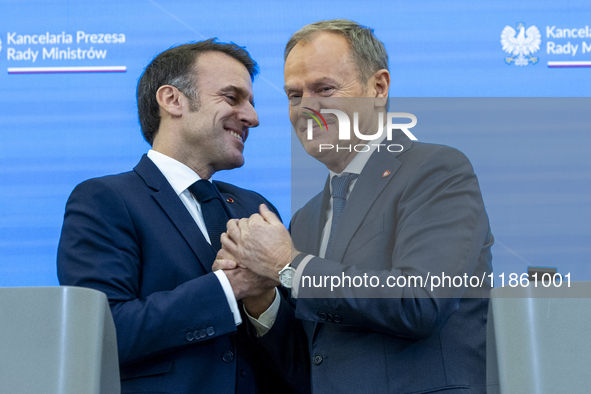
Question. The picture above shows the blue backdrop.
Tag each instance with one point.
(60, 128)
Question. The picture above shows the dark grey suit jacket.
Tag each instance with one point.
(425, 218)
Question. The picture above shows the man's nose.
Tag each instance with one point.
(248, 116)
(309, 108)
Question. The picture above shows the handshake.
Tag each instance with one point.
(253, 252)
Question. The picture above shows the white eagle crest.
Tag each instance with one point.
(521, 45)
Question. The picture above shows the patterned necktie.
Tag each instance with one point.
(340, 186)
(214, 214)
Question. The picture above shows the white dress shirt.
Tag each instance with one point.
(180, 178)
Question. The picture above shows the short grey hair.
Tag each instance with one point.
(368, 52)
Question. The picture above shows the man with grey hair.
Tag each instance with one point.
(395, 215)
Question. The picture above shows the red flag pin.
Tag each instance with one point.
(230, 199)
(386, 173)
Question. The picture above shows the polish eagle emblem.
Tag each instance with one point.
(521, 44)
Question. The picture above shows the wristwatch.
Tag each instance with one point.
(286, 276)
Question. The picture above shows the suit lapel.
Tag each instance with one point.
(176, 211)
(319, 214)
(233, 205)
(308, 223)
(379, 171)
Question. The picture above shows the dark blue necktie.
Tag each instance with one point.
(340, 186)
(214, 214)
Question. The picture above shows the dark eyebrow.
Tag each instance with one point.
(239, 91)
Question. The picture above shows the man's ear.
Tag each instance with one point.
(381, 85)
(170, 100)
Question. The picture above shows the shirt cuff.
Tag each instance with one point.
(229, 295)
(295, 282)
(263, 324)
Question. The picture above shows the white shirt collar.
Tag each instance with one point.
(176, 173)
(360, 160)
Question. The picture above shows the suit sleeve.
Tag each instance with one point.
(100, 248)
(440, 228)
(286, 345)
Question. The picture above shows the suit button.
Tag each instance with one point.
(227, 356)
(338, 319)
(322, 316)
(242, 374)
(317, 360)
(210, 331)
(190, 336)
(329, 318)
(202, 333)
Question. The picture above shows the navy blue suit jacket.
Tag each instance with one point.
(131, 237)
(414, 213)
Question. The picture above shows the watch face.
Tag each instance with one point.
(285, 277)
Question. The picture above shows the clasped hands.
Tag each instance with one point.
(253, 252)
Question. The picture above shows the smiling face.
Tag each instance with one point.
(212, 138)
(322, 74)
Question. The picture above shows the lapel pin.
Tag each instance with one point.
(386, 173)
(230, 199)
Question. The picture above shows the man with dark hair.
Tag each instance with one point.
(148, 238)
(395, 216)
(175, 67)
